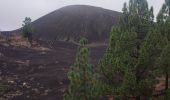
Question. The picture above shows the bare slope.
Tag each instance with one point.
(73, 22)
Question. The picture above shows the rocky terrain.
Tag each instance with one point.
(38, 72)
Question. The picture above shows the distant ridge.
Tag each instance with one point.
(75, 21)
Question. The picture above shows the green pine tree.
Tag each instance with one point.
(113, 66)
(141, 21)
(27, 30)
(138, 16)
(145, 67)
(164, 63)
(163, 20)
(127, 68)
(83, 82)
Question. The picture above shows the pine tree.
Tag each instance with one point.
(128, 65)
(138, 16)
(148, 55)
(164, 62)
(141, 20)
(83, 82)
(163, 20)
(167, 3)
(27, 30)
(118, 61)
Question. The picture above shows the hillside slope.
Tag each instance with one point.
(73, 22)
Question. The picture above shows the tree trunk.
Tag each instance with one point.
(85, 79)
(166, 87)
(137, 81)
(111, 98)
(138, 98)
(166, 82)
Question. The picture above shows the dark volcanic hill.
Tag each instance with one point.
(73, 22)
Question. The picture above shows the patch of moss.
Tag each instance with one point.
(3, 88)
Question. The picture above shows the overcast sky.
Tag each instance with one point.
(13, 12)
